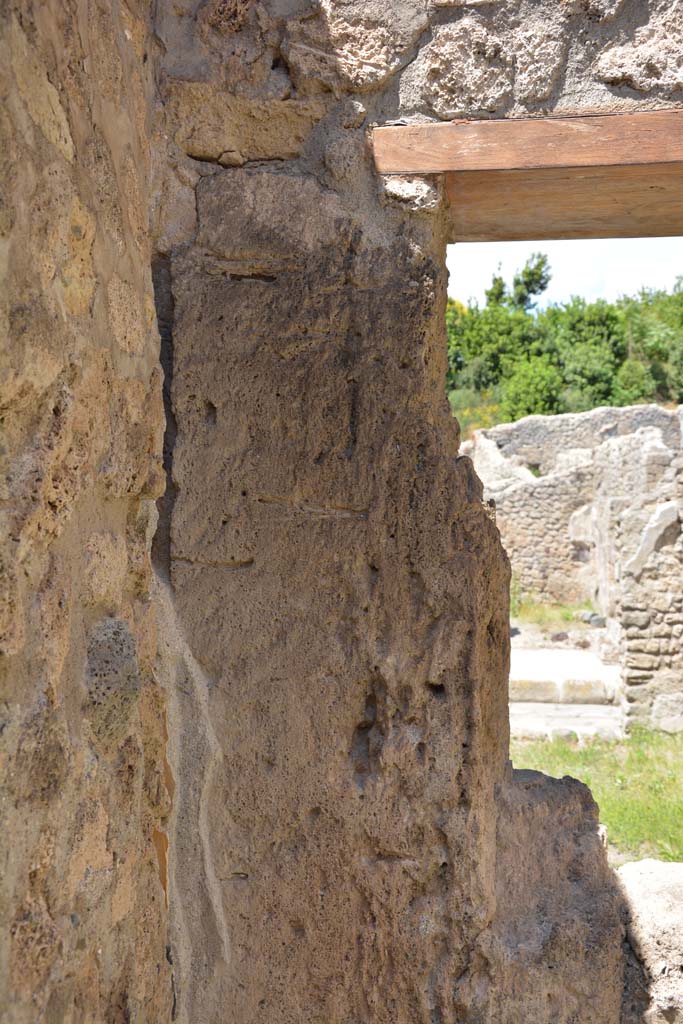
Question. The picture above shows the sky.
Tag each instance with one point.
(595, 268)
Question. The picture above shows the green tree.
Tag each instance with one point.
(654, 331)
(511, 359)
(576, 321)
(531, 280)
(675, 369)
(485, 343)
(496, 294)
(633, 384)
(535, 386)
(588, 375)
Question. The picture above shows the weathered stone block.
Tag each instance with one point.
(635, 620)
(325, 816)
(584, 691)
(112, 680)
(667, 712)
(654, 929)
(641, 661)
(465, 69)
(302, 367)
(533, 690)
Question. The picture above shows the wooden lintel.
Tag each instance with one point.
(599, 202)
(645, 137)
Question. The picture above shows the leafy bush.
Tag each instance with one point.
(474, 410)
(534, 386)
(510, 359)
(633, 383)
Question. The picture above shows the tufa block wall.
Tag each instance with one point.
(86, 787)
(334, 573)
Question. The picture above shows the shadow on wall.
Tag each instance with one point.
(558, 940)
(342, 588)
(163, 300)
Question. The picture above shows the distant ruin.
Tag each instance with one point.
(589, 505)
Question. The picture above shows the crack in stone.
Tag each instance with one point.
(325, 511)
(234, 563)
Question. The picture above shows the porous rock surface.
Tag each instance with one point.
(272, 784)
(356, 868)
(85, 786)
(654, 890)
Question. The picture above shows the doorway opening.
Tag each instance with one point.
(587, 474)
(565, 371)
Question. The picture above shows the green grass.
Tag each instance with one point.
(530, 610)
(539, 614)
(636, 783)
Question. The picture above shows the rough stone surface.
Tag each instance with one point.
(325, 828)
(329, 491)
(338, 477)
(650, 61)
(351, 46)
(655, 931)
(85, 795)
(510, 58)
(532, 945)
(467, 69)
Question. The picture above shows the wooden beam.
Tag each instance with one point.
(604, 202)
(646, 137)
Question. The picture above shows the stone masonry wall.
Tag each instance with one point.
(537, 525)
(639, 506)
(542, 472)
(543, 441)
(293, 742)
(334, 573)
(85, 791)
(602, 521)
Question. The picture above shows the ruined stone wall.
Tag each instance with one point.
(84, 789)
(602, 521)
(538, 526)
(562, 485)
(557, 491)
(638, 511)
(322, 556)
(543, 441)
(347, 842)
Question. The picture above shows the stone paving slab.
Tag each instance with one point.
(539, 720)
(561, 676)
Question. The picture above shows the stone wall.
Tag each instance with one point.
(552, 479)
(601, 521)
(323, 798)
(638, 512)
(86, 791)
(338, 582)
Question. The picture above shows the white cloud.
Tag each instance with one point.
(595, 268)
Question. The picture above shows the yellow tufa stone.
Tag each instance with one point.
(38, 93)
